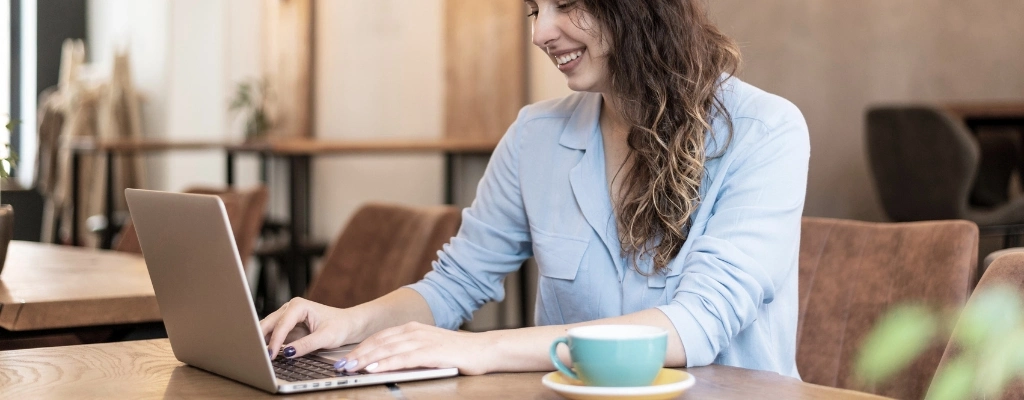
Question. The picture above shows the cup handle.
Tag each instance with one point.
(558, 363)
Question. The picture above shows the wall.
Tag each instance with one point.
(186, 56)
(379, 73)
(833, 59)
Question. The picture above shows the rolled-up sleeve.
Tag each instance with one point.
(493, 241)
(750, 243)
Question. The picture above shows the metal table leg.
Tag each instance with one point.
(108, 232)
(449, 177)
(298, 227)
(75, 197)
(230, 168)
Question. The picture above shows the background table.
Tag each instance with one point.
(147, 369)
(296, 253)
(49, 290)
(46, 286)
(979, 114)
(109, 149)
(993, 114)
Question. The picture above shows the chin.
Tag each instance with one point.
(580, 86)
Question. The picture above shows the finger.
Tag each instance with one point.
(383, 335)
(357, 361)
(267, 324)
(388, 335)
(382, 338)
(420, 358)
(309, 343)
(291, 317)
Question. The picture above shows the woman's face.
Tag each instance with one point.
(573, 42)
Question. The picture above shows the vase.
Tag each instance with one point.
(6, 231)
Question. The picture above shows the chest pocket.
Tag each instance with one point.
(558, 256)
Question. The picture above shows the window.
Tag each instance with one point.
(5, 61)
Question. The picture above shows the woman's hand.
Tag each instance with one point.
(314, 325)
(418, 345)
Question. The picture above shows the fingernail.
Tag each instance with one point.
(351, 365)
(270, 353)
(340, 363)
(371, 367)
(289, 352)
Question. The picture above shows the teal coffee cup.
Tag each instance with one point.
(613, 355)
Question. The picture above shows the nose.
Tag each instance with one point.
(545, 30)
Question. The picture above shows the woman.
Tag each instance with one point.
(665, 192)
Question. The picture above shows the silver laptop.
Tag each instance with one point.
(207, 307)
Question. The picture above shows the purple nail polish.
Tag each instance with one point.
(270, 353)
(340, 363)
(351, 365)
(289, 352)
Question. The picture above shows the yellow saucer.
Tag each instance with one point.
(669, 384)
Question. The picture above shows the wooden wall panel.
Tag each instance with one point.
(485, 67)
(288, 65)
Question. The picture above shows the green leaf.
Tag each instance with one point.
(12, 123)
(1001, 362)
(899, 337)
(953, 382)
(993, 312)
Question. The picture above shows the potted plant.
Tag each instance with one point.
(988, 340)
(8, 159)
(250, 101)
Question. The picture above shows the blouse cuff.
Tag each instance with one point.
(696, 343)
(443, 316)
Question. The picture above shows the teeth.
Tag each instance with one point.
(568, 57)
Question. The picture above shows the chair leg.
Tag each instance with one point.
(1011, 238)
(266, 292)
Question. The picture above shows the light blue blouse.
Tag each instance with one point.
(731, 293)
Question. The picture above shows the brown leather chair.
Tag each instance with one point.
(245, 208)
(1006, 270)
(852, 272)
(383, 248)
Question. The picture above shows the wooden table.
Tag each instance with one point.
(45, 286)
(299, 153)
(147, 369)
(979, 114)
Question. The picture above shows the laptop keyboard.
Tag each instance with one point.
(306, 369)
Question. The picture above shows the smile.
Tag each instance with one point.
(565, 59)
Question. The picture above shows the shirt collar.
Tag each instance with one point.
(583, 122)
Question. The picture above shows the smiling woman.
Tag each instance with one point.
(665, 192)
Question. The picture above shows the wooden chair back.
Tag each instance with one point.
(382, 248)
(246, 210)
(852, 272)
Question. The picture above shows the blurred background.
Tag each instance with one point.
(421, 70)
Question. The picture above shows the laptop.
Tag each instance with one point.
(207, 308)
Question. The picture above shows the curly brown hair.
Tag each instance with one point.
(666, 62)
